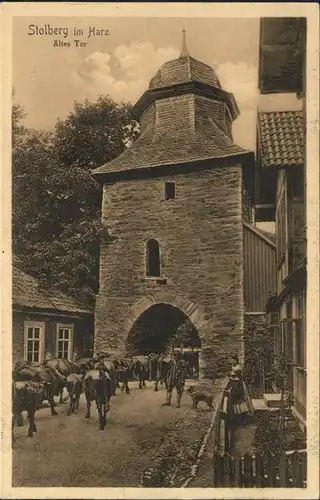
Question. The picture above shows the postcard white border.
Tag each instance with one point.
(183, 10)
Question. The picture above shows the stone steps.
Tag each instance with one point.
(260, 405)
(272, 400)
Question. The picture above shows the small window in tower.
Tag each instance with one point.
(170, 190)
(153, 259)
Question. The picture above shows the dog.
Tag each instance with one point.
(199, 394)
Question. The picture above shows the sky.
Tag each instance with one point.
(47, 79)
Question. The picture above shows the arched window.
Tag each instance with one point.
(153, 258)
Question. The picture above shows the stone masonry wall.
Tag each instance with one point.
(201, 243)
(246, 205)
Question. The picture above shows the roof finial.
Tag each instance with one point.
(184, 49)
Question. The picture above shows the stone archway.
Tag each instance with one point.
(186, 306)
(159, 328)
(185, 309)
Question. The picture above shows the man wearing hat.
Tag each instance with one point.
(176, 377)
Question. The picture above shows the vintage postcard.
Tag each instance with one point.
(160, 271)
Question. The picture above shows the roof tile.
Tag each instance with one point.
(174, 140)
(27, 292)
(281, 138)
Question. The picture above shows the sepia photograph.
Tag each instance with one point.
(159, 244)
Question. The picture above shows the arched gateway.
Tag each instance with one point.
(174, 202)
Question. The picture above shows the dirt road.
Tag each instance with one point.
(71, 451)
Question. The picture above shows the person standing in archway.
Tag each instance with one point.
(176, 378)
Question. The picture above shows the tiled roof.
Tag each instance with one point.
(281, 138)
(27, 292)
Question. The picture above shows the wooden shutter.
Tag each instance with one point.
(282, 55)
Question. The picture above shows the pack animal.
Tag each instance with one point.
(26, 396)
(97, 387)
(50, 377)
(110, 366)
(65, 368)
(75, 389)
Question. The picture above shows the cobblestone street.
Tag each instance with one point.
(71, 451)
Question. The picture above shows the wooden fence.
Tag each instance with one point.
(254, 471)
(223, 434)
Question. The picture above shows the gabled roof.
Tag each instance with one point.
(28, 293)
(281, 138)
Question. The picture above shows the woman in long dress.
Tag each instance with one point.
(240, 400)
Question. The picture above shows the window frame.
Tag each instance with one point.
(171, 183)
(70, 327)
(34, 324)
(300, 331)
(147, 259)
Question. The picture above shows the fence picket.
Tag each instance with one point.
(222, 434)
(216, 470)
(296, 470)
(259, 480)
(226, 469)
(272, 471)
(284, 472)
(304, 468)
(237, 471)
(249, 470)
(247, 464)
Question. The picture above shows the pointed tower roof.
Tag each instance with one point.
(185, 118)
(184, 48)
(184, 69)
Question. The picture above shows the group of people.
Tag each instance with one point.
(241, 405)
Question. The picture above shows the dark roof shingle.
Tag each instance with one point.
(176, 138)
(281, 138)
(184, 69)
(27, 292)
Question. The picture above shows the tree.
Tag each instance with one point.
(32, 165)
(94, 133)
(56, 202)
(187, 335)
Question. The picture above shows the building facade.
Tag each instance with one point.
(281, 166)
(47, 323)
(178, 204)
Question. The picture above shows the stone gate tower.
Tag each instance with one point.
(174, 204)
